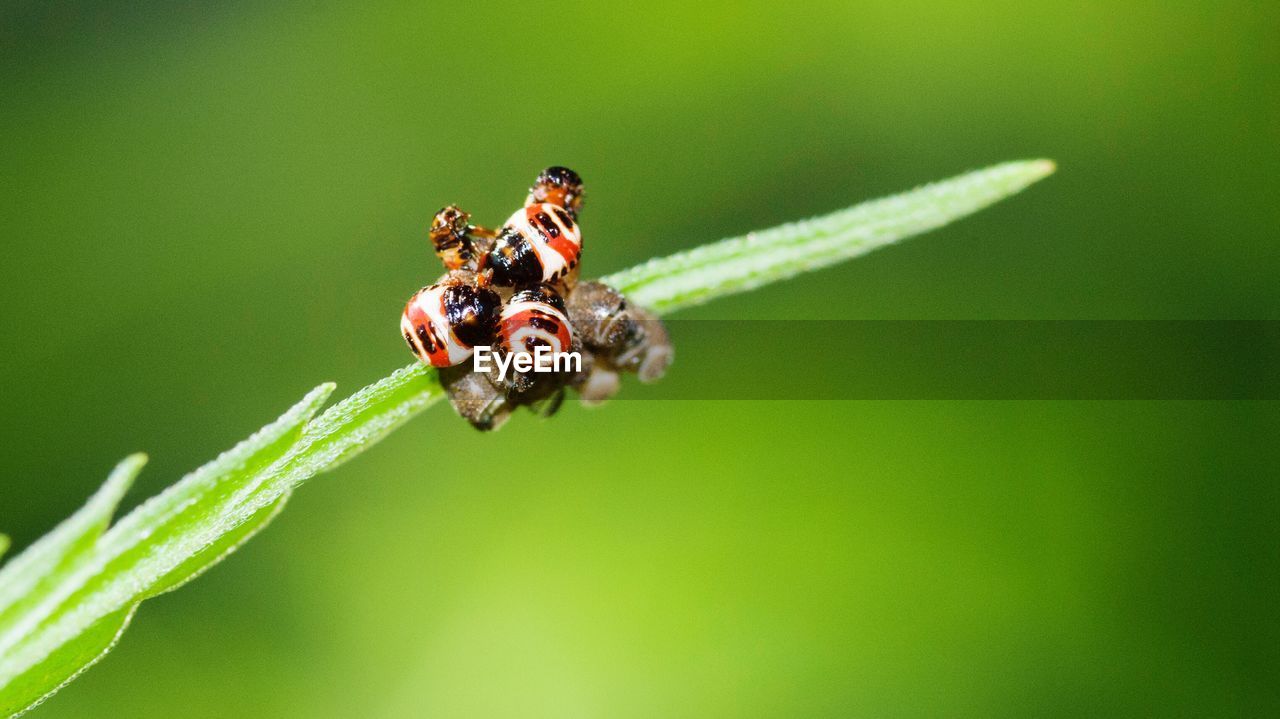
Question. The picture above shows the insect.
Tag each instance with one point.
(621, 336)
(541, 242)
(516, 290)
(444, 322)
(454, 238)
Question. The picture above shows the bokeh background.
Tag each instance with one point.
(206, 211)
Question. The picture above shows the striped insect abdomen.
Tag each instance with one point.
(539, 243)
(534, 317)
(443, 323)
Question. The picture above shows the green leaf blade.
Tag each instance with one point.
(694, 277)
(203, 560)
(364, 418)
(159, 545)
(42, 563)
(215, 478)
(28, 690)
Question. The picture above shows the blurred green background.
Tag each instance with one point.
(205, 211)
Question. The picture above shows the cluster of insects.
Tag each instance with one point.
(514, 292)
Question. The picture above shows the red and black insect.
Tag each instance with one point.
(541, 242)
(443, 323)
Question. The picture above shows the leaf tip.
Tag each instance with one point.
(4, 544)
(121, 478)
(103, 503)
(306, 408)
(1042, 167)
(320, 394)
